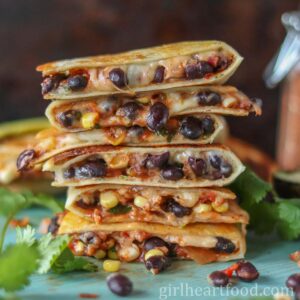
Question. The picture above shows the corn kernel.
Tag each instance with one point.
(79, 248)
(220, 208)
(112, 254)
(143, 100)
(109, 199)
(111, 265)
(153, 252)
(100, 254)
(116, 135)
(140, 201)
(203, 208)
(119, 161)
(89, 120)
(227, 102)
(129, 253)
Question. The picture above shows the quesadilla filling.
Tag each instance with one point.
(170, 166)
(142, 246)
(151, 205)
(112, 78)
(129, 111)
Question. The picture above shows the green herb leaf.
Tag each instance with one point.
(120, 209)
(250, 188)
(17, 263)
(68, 263)
(26, 235)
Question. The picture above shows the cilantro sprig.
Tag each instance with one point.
(268, 212)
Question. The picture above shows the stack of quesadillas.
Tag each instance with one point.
(132, 139)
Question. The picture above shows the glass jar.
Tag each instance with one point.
(286, 65)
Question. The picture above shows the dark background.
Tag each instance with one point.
(36, 31)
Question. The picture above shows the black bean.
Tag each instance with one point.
(157, 161)
(119, 284)
(155, 242)
(208, 98)
(136, 131)
(67, 118)
(218, 278)
(91, 169)
(224, 245)
(158, 116)
(77, 82)
(25, 158)
(198, 165)
(222, 64)
(109, 105)
(208, 125)
(157, 263)
(297, 293)
(69, 173)
(118, 77)
(191, 128)
(159, 74)
(198, 70)
(90, 237)
(53, 226)
(172, 172)
(215, 161)
(246, 271)
(226, 169)
(129, 110)
(86, 205)
(170, 205)
(293, 281)
(51, 82)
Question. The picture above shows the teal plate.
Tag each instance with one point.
(183, 280)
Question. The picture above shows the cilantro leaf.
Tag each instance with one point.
(250, 188)
(68, 263)
(17, 263)
(26, 236)
(120, 209)
(51, 249)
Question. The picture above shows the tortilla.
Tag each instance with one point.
(149, 204)
(175, 65)
(124, 110)
(218, 166)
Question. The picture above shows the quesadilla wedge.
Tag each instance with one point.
(15, 136)
(176, 207)
(125, 110)
(168, 66)
(201, 242)
(173, 166)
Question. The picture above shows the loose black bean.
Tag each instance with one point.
(119, 284)
(118, 77)
(157, 263)
(191, 128)
(209, 98)
(293, 281)
(172, 173)
(129, 110)
(25, 158)
(198, 70)
(170, 205)
(154, 242)
(198, 165)
(91, 169)
(246, 271)
(218, 279)
(208, 125)
(77, 82)
(224, 245)
(157, 161)
(51, 82)
(159, 74)
(67, 118)
(53, 226)
(158, 116)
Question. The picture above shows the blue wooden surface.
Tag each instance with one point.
(184, 280)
